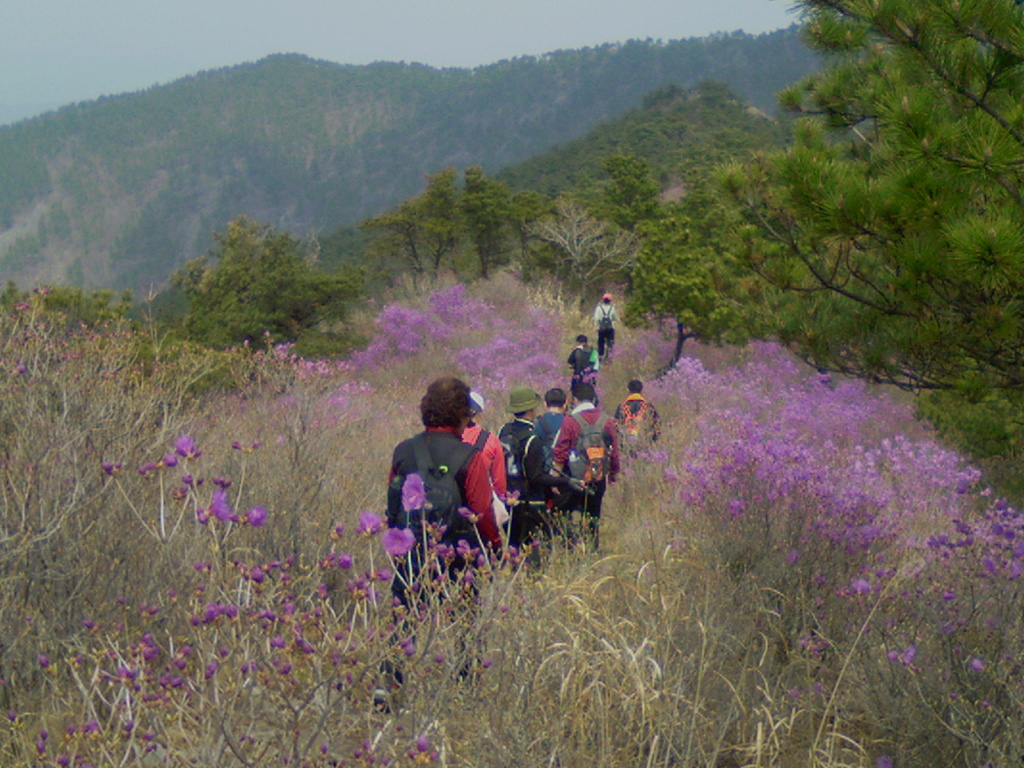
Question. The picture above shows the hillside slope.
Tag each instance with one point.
(675, 129)
(119, 192)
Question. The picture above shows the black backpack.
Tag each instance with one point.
(443, 497)
(514, 443)
(481, 439)
(590, 460)
(604, 323)
(581, 361)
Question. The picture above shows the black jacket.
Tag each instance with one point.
(539, 484)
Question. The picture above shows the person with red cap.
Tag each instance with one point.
(604, 319)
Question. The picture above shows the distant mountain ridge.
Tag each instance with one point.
(119, 192)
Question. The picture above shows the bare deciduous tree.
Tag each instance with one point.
(592, 252)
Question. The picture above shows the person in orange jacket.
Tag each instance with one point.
(637, 419)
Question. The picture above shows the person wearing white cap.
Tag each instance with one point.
(487, 444)
(529, 480)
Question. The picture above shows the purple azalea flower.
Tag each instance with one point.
(369, 523)
(398, 541)
(977, 664)
(414, 495)
(185, 446)
(860, 586)
(909, 655)
(256, 516)
(219, 507)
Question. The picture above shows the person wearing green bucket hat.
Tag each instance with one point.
(528, 482)
(521, 399)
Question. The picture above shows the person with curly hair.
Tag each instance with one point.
(439, 514)
(439, 450)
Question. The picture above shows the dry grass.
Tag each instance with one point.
(649, 653)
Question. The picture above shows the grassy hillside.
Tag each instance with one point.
(119, 192)
(194, 573)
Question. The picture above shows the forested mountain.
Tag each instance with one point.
(119, 192)
(674, 130)
(679, 134)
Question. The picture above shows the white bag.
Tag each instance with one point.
(500, 510)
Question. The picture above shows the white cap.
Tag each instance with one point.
(477, 402)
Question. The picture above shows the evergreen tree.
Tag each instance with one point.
(631, 193)
(485, 208)
(525, 209)
(442, 219)
(261, 282)
(421, 232)
(894, 228)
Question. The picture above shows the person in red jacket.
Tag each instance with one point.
(488, 444)
(444, 536)
(445, 411)
(586, 497)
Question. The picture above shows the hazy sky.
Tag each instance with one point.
(54, 52)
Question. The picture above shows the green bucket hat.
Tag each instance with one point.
(522, 398)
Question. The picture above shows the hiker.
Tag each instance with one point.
(546, 426)
(439, 491)
(430, 507)
(488, 444)
(637, 419)
(604, 319)
(529, 483)
(584, 362)
(587, 451)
